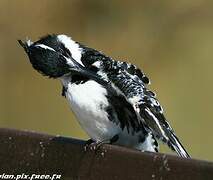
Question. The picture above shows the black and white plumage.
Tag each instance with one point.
(109, 98)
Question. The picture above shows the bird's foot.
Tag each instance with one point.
(87, 144)
(95, 145)
(92, 145)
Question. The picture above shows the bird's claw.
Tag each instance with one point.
(92, 145)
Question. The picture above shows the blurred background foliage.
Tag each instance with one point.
(172, 41)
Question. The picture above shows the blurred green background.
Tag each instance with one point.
(172, 41)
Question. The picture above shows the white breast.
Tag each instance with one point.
(88, 101)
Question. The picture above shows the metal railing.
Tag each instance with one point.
(33, 153)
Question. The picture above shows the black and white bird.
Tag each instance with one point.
(109, 98)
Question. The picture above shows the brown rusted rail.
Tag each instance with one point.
(33, 153)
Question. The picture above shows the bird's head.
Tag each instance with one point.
(53, 55)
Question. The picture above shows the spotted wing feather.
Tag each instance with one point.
(145, 103)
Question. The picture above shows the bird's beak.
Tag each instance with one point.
(24, 45)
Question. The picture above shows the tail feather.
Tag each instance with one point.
(175, 145)
(163, 131)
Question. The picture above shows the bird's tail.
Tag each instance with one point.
(157, 123)
(175, 145)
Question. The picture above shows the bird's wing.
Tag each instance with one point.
(121, 112)
(133, 70)
(129, 81)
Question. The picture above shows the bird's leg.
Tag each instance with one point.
(95, 145)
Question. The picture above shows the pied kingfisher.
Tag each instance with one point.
(109, 98)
